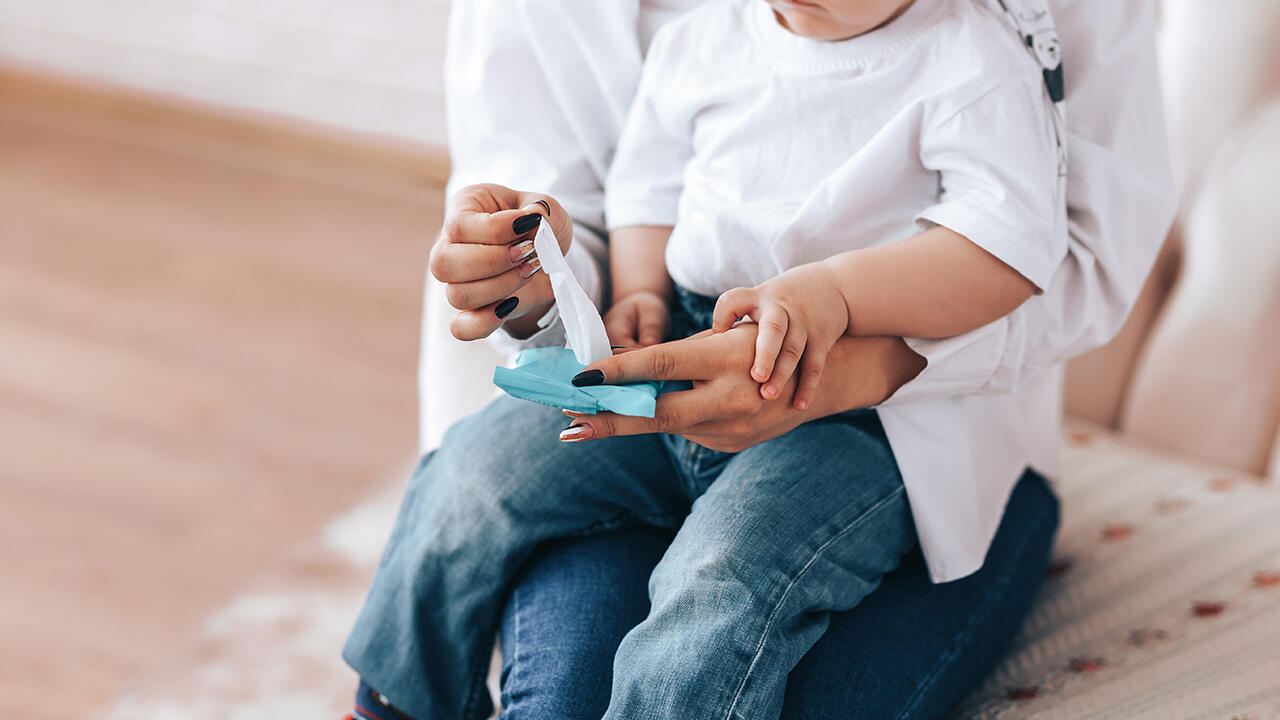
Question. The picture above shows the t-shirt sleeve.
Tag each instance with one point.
(646, 176)
(1000, 185)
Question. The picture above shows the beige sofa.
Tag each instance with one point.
(1164, 600)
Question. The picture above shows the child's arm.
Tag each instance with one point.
(998, 233)
(642, 290)
(935, 284)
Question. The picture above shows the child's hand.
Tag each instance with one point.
(801, 314)
(638, 320)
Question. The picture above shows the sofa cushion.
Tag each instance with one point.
(1163, 600)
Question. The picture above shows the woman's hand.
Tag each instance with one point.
(724, 410)
(485, 259)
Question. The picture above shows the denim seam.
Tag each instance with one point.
(963, 636)
(515, 638)
(623, 519)
(682, 463)
(764, 636)
(477, 685)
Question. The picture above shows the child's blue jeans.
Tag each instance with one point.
(771, 540)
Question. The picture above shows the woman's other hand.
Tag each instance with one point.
(724, 410)
(485, 259)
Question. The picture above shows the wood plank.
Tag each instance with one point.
(208, 340)
(235, 133)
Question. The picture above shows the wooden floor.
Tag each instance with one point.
(207, 347)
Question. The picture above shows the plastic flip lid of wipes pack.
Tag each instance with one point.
(545, 375)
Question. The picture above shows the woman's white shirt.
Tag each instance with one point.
(537, 92)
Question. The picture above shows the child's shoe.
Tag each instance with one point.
(373, 705)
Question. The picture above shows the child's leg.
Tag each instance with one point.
(789, 531)
(500, 483)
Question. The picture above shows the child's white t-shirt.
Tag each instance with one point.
(767, 150)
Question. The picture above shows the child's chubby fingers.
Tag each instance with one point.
(793, 348)
(620, 326)
(733, 304)
(651, 325)
(811, 366)
(773, 324)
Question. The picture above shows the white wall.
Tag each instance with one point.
(368, 65)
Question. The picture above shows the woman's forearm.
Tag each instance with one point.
(865, 371)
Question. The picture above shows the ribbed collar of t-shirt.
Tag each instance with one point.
(859, 50)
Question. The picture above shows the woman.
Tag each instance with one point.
(537, 94)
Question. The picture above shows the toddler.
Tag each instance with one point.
(783, 164)
(825, 167)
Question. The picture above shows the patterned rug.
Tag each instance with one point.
(1163, 601)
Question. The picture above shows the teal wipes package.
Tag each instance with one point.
(544, 375)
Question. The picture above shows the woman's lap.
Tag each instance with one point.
(909, 650)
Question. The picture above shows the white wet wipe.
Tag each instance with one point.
(583, 326)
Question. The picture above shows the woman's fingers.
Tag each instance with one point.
(473, 295)
(694, 358)
(788, 358)
(488, 214)
(733, 304)
(469, 262)
(468, 224)
(548, 207)
(772, 330)
(482, 321)
(674, 412)
(485, 257)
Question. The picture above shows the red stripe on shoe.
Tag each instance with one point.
(366, 714)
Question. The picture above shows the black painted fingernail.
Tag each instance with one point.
(524, 224)
(617, 347)
(506, 306)
(587, 378)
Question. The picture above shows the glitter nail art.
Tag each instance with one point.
(530, 267)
